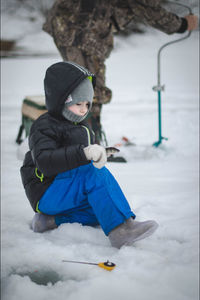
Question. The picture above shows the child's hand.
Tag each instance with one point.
(97, 154)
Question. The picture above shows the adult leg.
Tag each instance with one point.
(102, 95)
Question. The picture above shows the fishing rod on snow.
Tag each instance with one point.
(159, 88)
(108, 266)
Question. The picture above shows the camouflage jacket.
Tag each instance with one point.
(89, 24)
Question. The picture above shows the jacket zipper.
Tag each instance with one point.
(88, 134)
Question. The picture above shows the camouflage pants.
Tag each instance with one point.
(102, 93)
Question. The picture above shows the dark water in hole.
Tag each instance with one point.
(41, 277)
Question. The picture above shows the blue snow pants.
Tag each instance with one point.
(86, 195)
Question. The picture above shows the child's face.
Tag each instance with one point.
(80, 108)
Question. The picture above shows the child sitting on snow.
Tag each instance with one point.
(64, 175)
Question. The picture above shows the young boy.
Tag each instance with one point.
(64, 175)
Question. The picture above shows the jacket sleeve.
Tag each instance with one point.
(152, 13)
(51, 158)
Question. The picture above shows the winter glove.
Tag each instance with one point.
(97, 154)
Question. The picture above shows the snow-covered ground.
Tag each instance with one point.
(160, 183)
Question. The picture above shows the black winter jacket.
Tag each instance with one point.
(56, 144)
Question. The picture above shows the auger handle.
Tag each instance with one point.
(170, 43)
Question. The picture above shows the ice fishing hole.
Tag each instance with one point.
(42, 277)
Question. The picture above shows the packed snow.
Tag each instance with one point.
(159, 183)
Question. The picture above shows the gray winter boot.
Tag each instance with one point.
(41, 223)
(131, 231)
